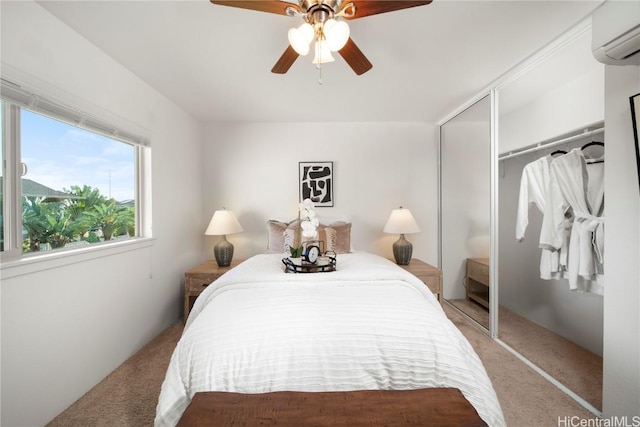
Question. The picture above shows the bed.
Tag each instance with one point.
(369, 325)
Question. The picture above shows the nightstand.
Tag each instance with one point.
(198, 278)
(477, 280)
(430, 275)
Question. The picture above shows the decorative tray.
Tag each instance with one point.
(325, 263)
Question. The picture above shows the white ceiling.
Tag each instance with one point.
(215, 61)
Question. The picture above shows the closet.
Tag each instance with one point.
(550, 183)
(556, 327)
(544, 118)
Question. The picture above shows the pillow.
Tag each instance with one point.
(342, 242)
(275, 244)
(336, 236)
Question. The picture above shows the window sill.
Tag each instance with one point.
(38, 262)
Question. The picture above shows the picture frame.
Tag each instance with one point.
(635, 120)
(316, 182)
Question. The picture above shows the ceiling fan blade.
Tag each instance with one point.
(374, 7)
(355, 58)
(286, 61)
(272, 6)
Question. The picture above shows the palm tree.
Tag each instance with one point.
(61, 222)
(33, 221)
(46, 222)
(105, 217)
(126, 223)
(60, 229)
(77, 208)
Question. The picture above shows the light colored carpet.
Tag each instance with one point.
(527, 399)
(127, 397)
(577, 368)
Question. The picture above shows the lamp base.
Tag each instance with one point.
(402, 250)
(223, 252)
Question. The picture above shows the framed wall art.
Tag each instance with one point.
(316, 182)
(635, 121)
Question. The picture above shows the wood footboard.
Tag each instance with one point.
(425, 407)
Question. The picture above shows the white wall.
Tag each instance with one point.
(67, 327)
(377, 167)
(622, 242)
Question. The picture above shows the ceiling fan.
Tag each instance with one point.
(322, 28)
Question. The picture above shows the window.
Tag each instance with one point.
(68, 180)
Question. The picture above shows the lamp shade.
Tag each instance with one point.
(223, 222)
(401, 222)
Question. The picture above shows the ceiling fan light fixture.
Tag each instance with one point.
(323, 53)
(336, 34)
(300, 38)
(317, 13)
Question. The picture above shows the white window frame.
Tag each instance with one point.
(12, 261)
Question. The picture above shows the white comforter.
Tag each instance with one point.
(369, 325)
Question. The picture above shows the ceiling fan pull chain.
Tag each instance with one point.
(319, 64)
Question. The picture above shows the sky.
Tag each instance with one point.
(58, 156)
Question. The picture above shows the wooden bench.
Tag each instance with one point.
(440, 407)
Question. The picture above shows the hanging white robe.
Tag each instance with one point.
(577, 185)
(534, 186)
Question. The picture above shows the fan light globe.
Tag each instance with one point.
(336, 33)
(323, 54)
(300, 38)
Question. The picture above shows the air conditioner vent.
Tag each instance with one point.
(629, 46)
(616, 33)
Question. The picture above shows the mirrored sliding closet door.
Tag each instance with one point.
(465, 174)
(551, 204)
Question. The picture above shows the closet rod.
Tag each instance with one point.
(542, 146)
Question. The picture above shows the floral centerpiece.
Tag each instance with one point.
(307, 227)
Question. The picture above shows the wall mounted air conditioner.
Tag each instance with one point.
(615, 32)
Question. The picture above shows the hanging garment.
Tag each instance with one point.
(578, 185)
(534, 185)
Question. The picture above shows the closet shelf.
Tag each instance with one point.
(552, 143)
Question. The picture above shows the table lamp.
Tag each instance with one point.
(222, 223)
(401, 222)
